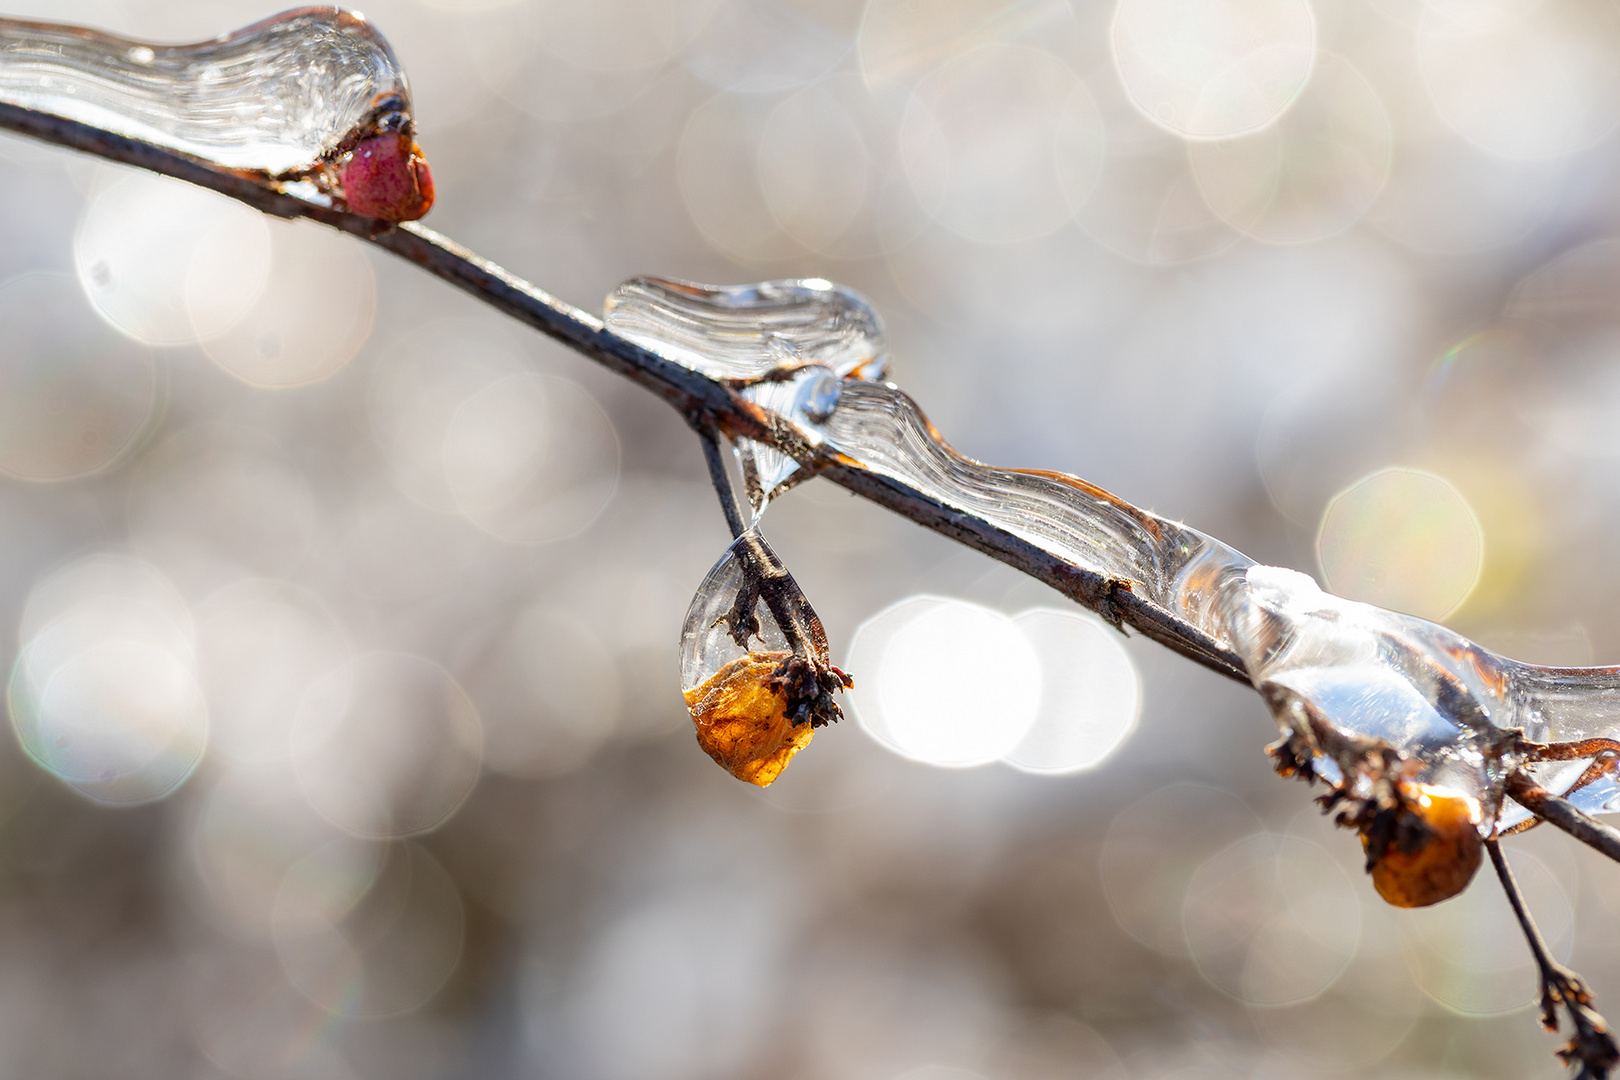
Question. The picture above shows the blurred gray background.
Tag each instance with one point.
(388, 589)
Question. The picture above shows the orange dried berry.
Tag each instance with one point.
(387, 177)
(1434, 853)
(741, 718)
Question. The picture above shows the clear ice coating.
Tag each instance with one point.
(716, 619)
(274, 99)
(788, 345)
(1449, 705)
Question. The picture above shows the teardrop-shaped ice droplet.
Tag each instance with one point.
(744, 682)
(729, 617)
(277, 98)
(745, 332)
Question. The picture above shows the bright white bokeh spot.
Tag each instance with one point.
(947, 682)
(169, 263)
(1212, 69)
(866, 650)
(1403, 539)
(1090, 693)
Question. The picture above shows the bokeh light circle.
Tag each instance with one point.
(548, 691)
(104, 692)
(1271, 920)
(169, 263)
(866, 650)
(261, 645)
(75, 395)
(953, 684)
(984, 125)
(1091, 694)
(387, 745)
(1131, 185)
(262, 859)
(718, 172)
(467, 427)
(1152, 849)
(814, 167)
(386, 953)
(305, 325)
(531, 458)
(1403, 539)
(1541, 85)
(1312, 174)
(1212, 69)
(1467, 954)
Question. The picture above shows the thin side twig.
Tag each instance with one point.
(1592, 1046)
(1563, 814)
(722, 482)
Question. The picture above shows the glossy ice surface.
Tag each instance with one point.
(272, 98)
(807, 334)
(1438, 697)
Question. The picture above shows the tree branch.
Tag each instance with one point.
(712, 406)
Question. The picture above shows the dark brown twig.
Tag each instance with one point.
(1563, 814)
(721, 481)
(1592, 1046)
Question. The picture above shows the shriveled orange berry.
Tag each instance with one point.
(1442, 860)
(387, 177)
(741, 718)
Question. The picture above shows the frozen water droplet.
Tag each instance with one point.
(730, 617)
(755, 669)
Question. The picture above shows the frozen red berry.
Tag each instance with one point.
(388, 178)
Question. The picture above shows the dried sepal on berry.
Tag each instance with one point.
(1427, 848)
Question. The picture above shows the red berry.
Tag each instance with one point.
(388, 178)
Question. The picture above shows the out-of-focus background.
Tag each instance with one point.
(343, 613)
